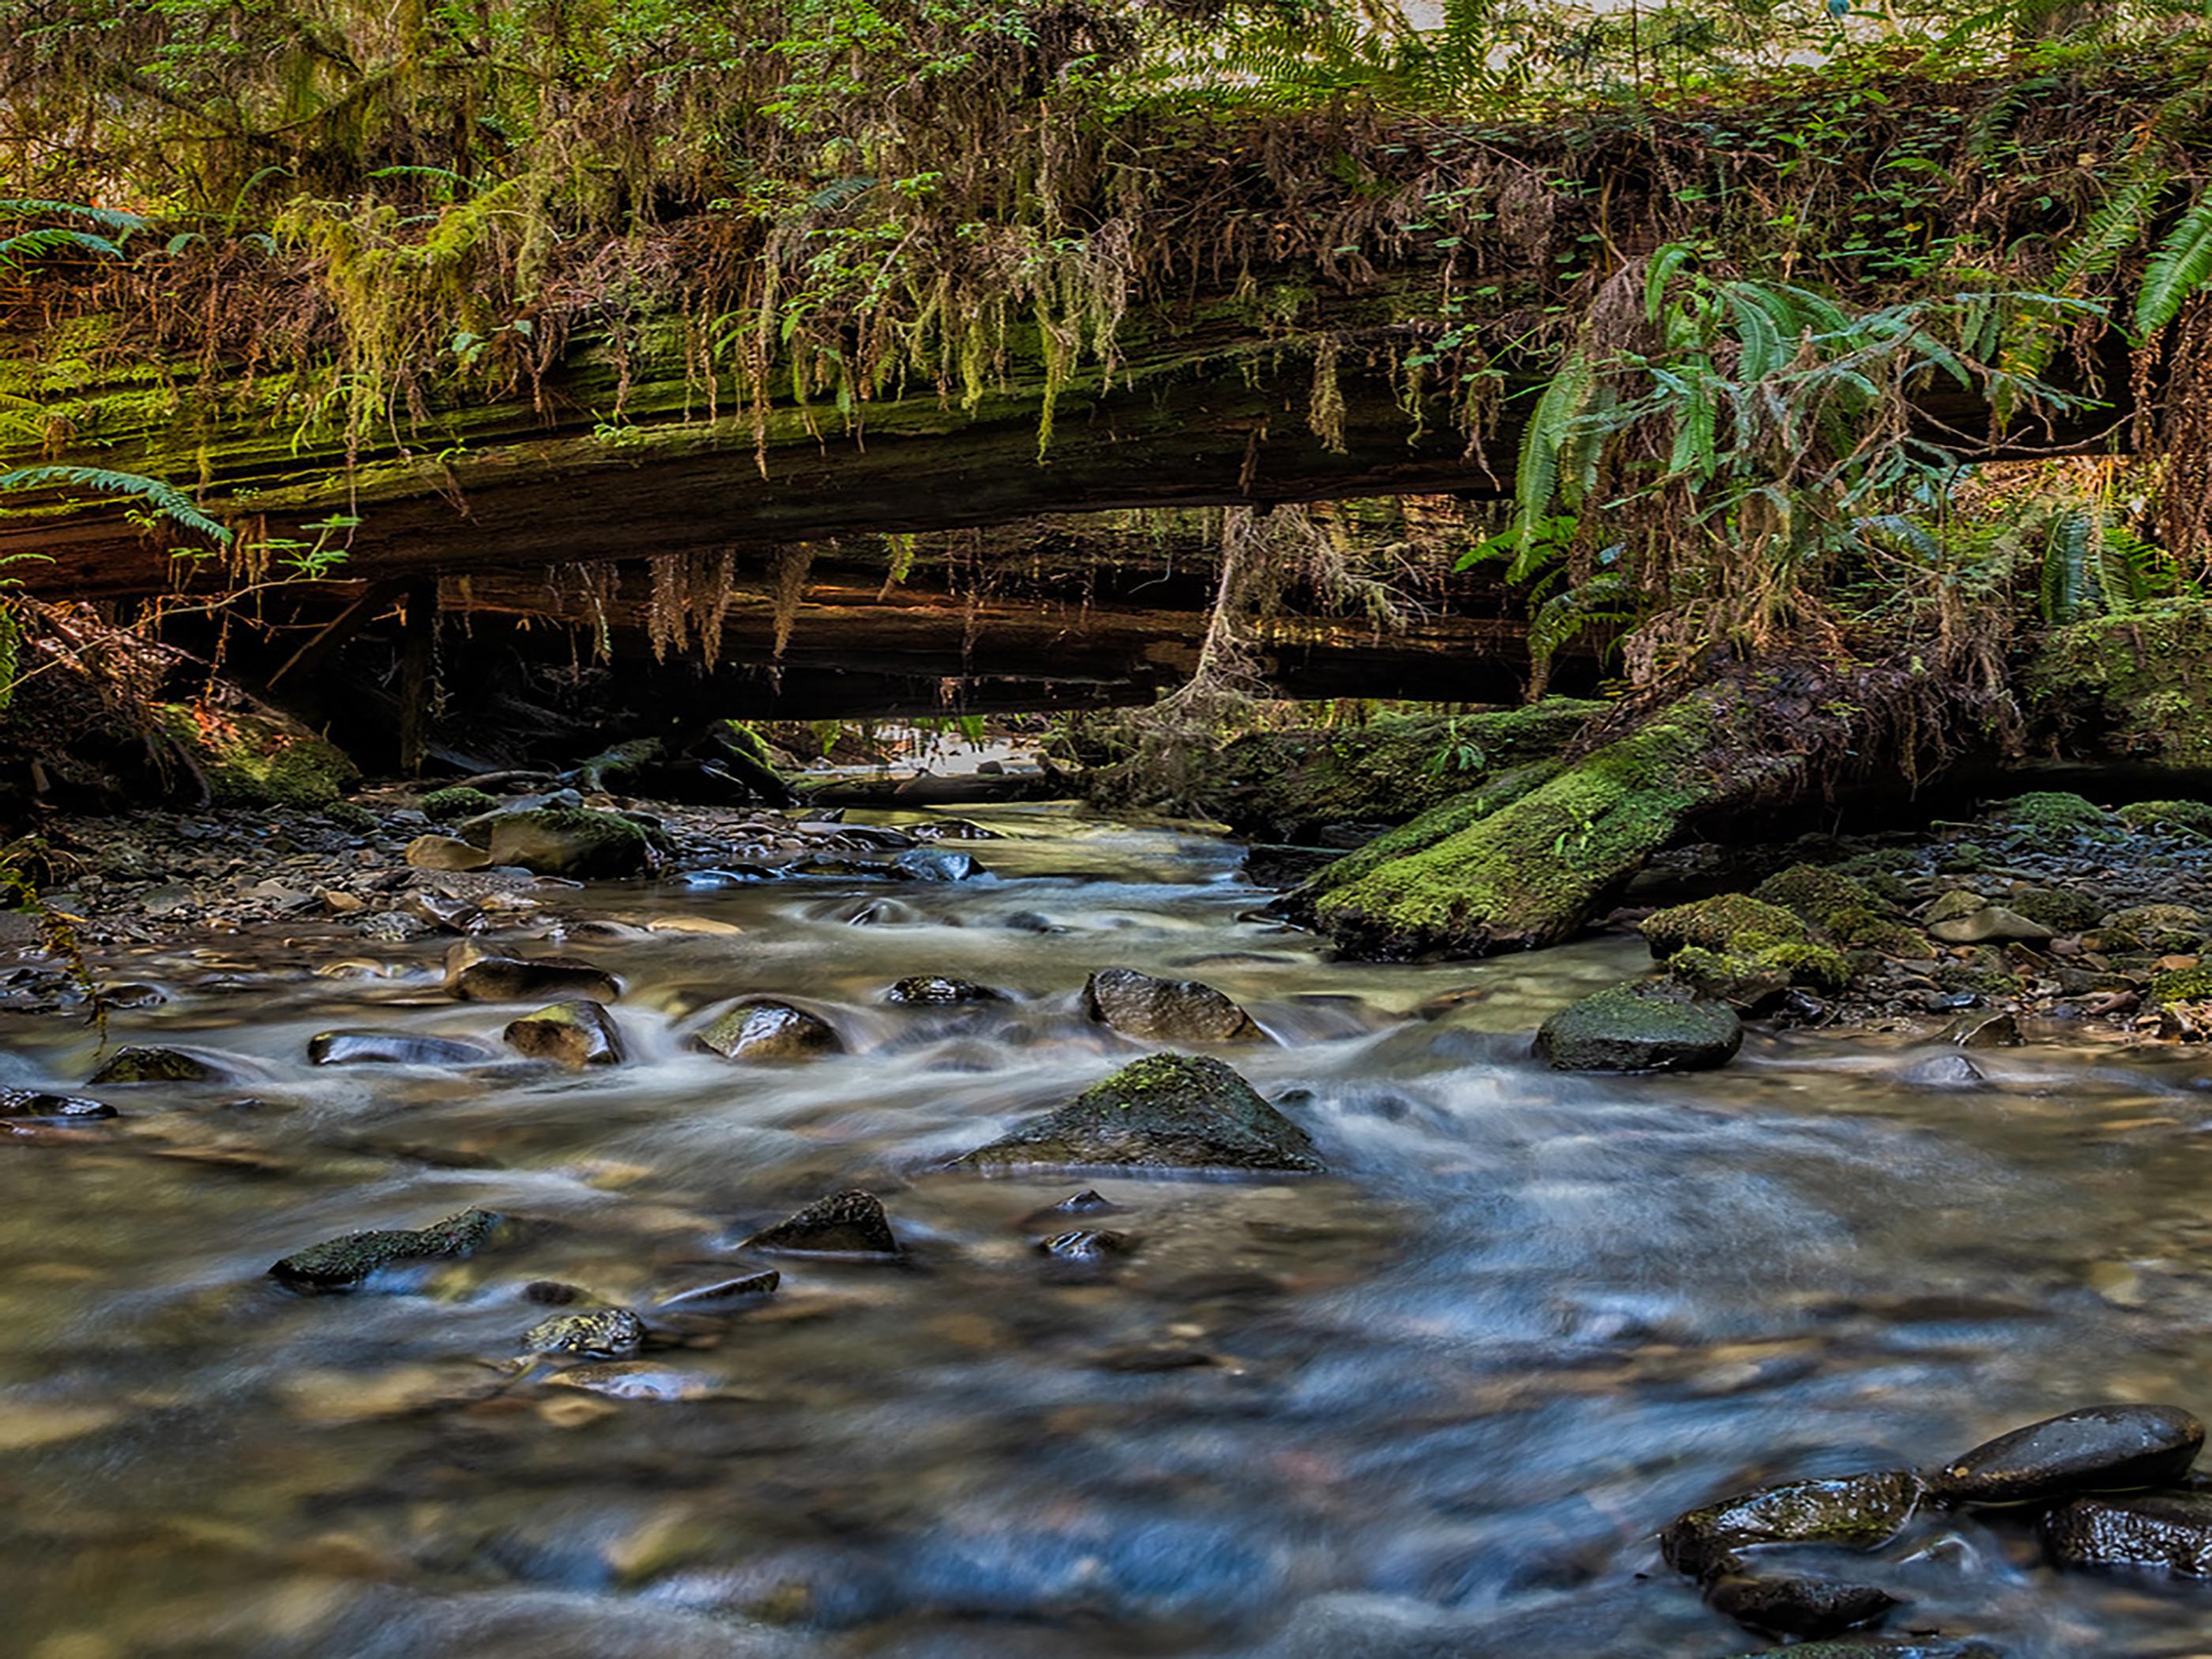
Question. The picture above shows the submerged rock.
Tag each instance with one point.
(1855, 1511)
(153, 1064)
(392, 1048)
(1634, 1029)
(1164, 1112)
(37, 1104)
(1086, 1202)
(1997, 1030)
(1883, 1647)
(2170, 1531)
(517, 979)
(725, 1294)
(1165, 1010)
(936, 989)
(601, 1334)
(575, 1034)
(567, 841)
(770, 1031)
(339, 1264)
(1944, 1072)
(2096, 1449)
(1794, 1604)
(936, 864)
(850, 1223)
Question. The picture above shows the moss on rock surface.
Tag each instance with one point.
(1729, 922)
(258, 758)
(2136, 688)
(1640, 1028)
(2192, 817)
(341, 1263)
(452, 805)
(1163, 1112)
(569, 840)
(2057, 813)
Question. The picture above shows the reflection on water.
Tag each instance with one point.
(1433, 1404)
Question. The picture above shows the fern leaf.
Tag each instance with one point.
(2179, 268)
(164, 498)
(1536, 480)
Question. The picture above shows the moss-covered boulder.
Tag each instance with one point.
(2061, 910)
(339, 1264)
(476, 978)
(2190, 985)
(850, 1223)
(1731, 923)
(1640, 1028)
(2049, 815)
(2191, 818)
(457, 804)
(2161, 929)
(251, 756)
(598, 1334)
(2160, 1531)
(1856, 1511)
(147, 1063)
(567, 841)
(2134, 688)
(1165, 1112)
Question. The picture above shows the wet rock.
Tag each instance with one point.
(850, 1223)
(575, 1034)
(2168, 1531)
(445, 853)
(1640, 1029)
(936, 989)
(1798, 1605)
(770, 1031)
(1944, 1072)
(1883, 1647)
(339, 1264)
(1087, 1202)
(1165, 1010)
(727, 1294)
(1953, 905)
(518, 979)
(635, 1380)
(552, 1293)
(392, 1048)
(1856, 1511)
(1993, 924)
(36, 1104)
(2096, 1449)
(1164, 1112)
(1088, 1247)
(1032, 922)
(600, 1334)
(134, 996)
(936, 864)
(567, 841)
(139, 1064)
(1985, 1030)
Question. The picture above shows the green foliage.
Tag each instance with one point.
(164, 499)
(2179, 269)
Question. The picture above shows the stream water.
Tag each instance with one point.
(1434, 1403)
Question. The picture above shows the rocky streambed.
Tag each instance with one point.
(993, 1232)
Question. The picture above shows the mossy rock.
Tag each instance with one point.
(569, 840)
(1164, 1112)
(1849, 913)
(145, 1063)
(2051, 812)
(1875, 872)
(2190, 985)
(1731, 923)
(340, 1264)
(2188, 818)
(1640, 1028)
(2060, 910)
(251, 758)
(2135, 682)
(456, 804)
(1857, 1511)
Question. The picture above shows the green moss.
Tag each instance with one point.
(1818, 967)
(1650, 1027)
(1733, 922)
(2058, 908)
(2190, 985)
(256, 760)
(1875, 872)
(1532, 873)
(1834, 903)
(1439, 823)
(452, 805)
(2190, 817)
(2142, 684)
(2050, 812)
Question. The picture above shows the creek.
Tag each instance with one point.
(1436, 1402)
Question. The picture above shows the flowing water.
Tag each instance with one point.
(1434, 1403)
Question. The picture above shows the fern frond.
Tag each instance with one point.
(2180, 267)
(164, 498)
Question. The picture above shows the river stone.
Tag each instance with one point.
(1628, 1029)
(391, 1048)
(567, 841)
(850, 1223)
(1944, 1072)
(36, 1103)
(769, 1030)
(1985, 1030)
(936, 864)
(1798, 1605)
(601, 1334)
(2170, 1530)
(724, 1294)
(339, 1264)
(1957, 902)
(573, 1033)
(1164, 1010)
(1164, 1112)
(1087, 1245)
(517, 979)
(1882, 1647)
(151, 1065)
(2096, 1449)
(936, 989)
(1853, 1512)
(1089, 1201)
(1990, 925)
(445, 853)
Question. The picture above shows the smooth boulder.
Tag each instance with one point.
(1993, 924)
(1853, 1511)
(338, 1264)
(1164, 1010)
(445, 853)
(575, 1034)
(147, 1063)
(518, 979)
(850, 1223)
(2167, 1531)
(1164, 1112)
(1630, 1029)
(1794, 1604)
(936, 990)
(37, 1105)
(567, 841)
(770, 1031)
(2097, 1448)
(391, 1048)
